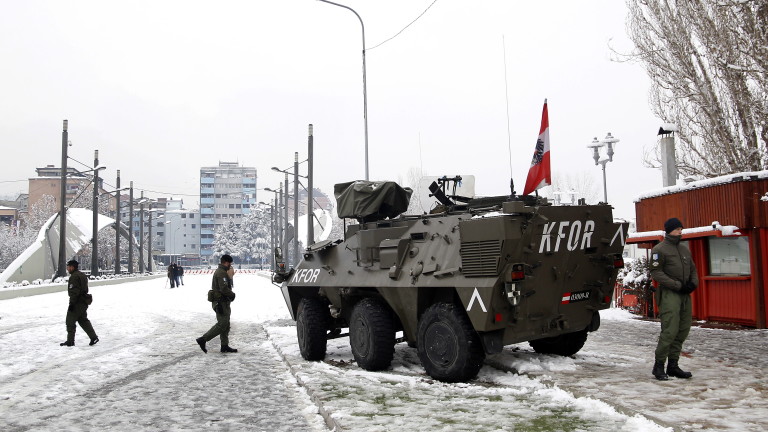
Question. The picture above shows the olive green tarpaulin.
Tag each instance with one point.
(371, 200)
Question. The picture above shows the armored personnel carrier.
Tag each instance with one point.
(461, 282)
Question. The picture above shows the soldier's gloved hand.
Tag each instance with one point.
(691, 287)
(232, 298)
(688, 288)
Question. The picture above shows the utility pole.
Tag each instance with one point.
(280, 226)
(95, 237)
(310, 198)
(117, 227)
(130, 230)
(141, 233)
(285, 238)
(62, 269)
(149, 240)
(272, 233)
(296, 206)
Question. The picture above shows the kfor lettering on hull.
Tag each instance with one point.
(476, 295)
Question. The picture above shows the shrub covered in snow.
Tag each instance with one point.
(636, 283)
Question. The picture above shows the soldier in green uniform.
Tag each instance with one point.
(673, 269)
(222, 297)
(77, 312)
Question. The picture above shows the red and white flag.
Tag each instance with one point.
(540, 175)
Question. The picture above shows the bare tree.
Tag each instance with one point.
(707, 62)
(581, 185)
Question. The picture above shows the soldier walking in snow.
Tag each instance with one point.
(673, 269)
(221, 295)
(79, 299)
(180, 275)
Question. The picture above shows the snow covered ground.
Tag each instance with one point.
(147, 373)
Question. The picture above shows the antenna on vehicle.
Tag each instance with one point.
(509, 136)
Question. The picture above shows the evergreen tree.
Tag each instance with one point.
(253, 240)
(225, 241)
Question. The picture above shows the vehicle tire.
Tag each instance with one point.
(372, 334)
(312, 320)
(448, 346)
(565, 345)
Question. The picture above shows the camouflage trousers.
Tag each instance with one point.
(221, 328)
(78, 314)
(675, 313)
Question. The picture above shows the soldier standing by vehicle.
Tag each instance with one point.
(79, 299)
(673, 269)
(221, 295)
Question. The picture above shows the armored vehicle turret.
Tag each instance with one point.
(461, 282)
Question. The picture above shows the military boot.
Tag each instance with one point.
(201, 341)
(674, 370)
(227, 348)
(67, 343)
(658, 371)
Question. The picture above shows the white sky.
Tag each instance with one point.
(163, 88)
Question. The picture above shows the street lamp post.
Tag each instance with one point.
(296, 207)
(310, 198)
(277, 215)
(271, 229)
(365, 90)
(130, 230)
(150, 259)
(95, 238)
(141, 233)
(607, 143)
(117, 226)
(285, 217)
(62, 269)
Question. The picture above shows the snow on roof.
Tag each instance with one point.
(7, 208)
(703, 183)
(727, 230)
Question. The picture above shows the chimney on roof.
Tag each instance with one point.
(668, 161)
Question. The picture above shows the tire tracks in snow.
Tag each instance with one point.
(54, 373)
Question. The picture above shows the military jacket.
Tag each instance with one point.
(672, 264)
(78, 287)
(222, 283)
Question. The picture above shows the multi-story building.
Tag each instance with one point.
(227, 192)
(48, 182)
(180, 236)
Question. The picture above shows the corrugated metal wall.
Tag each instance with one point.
(736, 203)
(740, 300)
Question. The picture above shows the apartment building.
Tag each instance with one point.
(227, 193)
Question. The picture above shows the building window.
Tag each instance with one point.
(194, 225)
(183, 215)
(729, 256)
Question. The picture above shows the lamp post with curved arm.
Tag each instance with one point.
(365, 90)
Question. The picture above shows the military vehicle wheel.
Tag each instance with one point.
(311, 325)
(565, 345)
(449, 348)
(372, 334)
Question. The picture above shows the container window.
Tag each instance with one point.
(729, 256)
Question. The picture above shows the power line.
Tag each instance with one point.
(398, 33)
